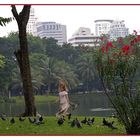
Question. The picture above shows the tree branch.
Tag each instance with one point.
(15, 13)
(25, 13)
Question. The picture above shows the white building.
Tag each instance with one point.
(83, 37)
(118, 29)
(31, 29)
(102, 26)
(52, 29)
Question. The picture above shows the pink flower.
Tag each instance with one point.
(109, 44)
(104, 49)
(126, 49)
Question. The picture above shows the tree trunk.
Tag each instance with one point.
(26, 74)
(23, 60)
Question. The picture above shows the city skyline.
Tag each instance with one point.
(78, 16)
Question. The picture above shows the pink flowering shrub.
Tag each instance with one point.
(117, 65)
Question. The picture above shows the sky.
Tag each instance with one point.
(77, 16)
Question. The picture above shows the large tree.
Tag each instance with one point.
(23, 59)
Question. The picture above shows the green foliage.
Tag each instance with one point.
(4, 21)
(85, 67)
(117, 67)
(1, 61)
(6, 74)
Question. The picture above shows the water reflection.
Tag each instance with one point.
(88, 105)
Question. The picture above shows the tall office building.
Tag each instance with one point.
(52, 29)
(118, 29)
(31, 29)
(102, 26)
(83, 37)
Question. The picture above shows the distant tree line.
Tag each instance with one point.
(49, 63)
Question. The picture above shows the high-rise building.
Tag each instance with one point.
(31, 29)
(83, 37)
(102, 26)
(118, 29)
(52, 29)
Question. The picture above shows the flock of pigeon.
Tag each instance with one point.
(89, 121)
(38, 120)
(74, 123)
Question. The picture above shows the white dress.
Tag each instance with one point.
(64, 103)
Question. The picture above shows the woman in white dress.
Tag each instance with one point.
(63, 100)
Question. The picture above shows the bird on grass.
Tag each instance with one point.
(92, 120)
(12, 121)
(89, 122)
(78, 124)
(61, 120)
(40, 118)
(32, 120)
(37, 122)
(73, 123)
(69, 116)
(84, 121)
(109, 124)
(3, 117)
(21, 119)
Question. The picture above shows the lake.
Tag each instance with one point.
(93, 104)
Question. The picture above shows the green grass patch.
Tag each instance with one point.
(38, 98)
(50, 127)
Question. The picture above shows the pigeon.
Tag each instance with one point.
(104, 121)
(89, 122)
(37, 122)
(12, 121)
(41, 119)
(21, 119)
(109, 124)
(84, 121)
(32, 120)
(78, 124)
(92, 120)
(69, 116)
(73, 123)
(60, 121)
(3, 117)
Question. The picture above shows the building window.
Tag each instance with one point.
(53, 26)
(50, 27)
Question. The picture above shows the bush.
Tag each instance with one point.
(117, 65)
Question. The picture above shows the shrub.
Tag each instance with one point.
(117, 64)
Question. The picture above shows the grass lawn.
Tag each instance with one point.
(38, 98)
(50, 127)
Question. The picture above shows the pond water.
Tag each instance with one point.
(96, 104)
